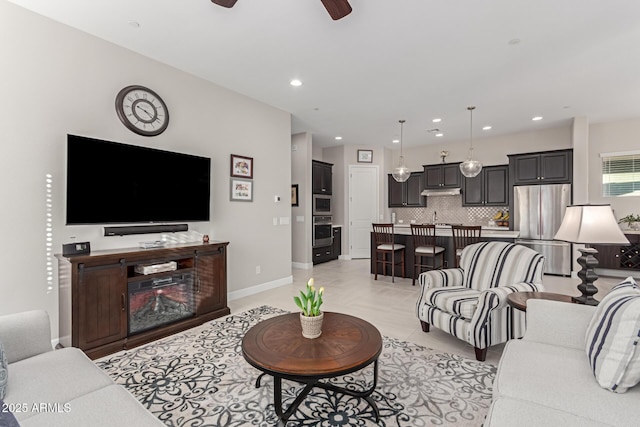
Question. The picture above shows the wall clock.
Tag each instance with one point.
(142, 111)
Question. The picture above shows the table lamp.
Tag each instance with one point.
(589, 224)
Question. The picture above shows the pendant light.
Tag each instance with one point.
(470, 167)
(401, 173)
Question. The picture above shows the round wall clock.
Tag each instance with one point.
(142, 111)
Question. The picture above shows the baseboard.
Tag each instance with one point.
(259, 288)
(302, 265)
(345, 257)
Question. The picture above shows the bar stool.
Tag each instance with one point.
(424, 246)
(383, 236)
(464, 235)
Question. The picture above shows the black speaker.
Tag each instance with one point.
(144, 229)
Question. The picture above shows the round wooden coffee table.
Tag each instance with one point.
(519, 299)
(277, 348)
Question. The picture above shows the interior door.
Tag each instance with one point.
(363, 208)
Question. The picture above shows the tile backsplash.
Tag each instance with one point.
(449, 209)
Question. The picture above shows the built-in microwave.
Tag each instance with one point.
(321, 204)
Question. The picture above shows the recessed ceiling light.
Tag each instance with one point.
(396, 141)
(338, 138)
(486, 128)
(295, 82)
(439, 134)
(134, 24)
(537, 118)
(436, 120)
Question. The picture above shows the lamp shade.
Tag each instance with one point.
(590, 224)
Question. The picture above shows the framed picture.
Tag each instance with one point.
(365, 156)
(241, 190)
(294, 195)
(241, 166)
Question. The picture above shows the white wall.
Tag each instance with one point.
(488, 150)
(57, 80)
(342, 156)
(301, 152)
(611, 137)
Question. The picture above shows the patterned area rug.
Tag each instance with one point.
(199, 378)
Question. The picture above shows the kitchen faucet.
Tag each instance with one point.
(435, 217)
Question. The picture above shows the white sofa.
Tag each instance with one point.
(62, 387)
(545, 379)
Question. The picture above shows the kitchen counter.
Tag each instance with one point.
(444, 238)
(629, 231)
(445, 231)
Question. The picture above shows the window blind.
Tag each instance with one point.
(621, 174)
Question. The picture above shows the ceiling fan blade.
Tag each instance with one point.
(337, 8)
(224, 3)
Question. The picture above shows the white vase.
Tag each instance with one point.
(311, 326)
(634, 225)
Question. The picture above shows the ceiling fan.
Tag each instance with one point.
(337, 8)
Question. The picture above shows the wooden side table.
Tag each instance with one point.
(519, 300)
(277, 348)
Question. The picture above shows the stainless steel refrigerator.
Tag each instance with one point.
(538, 212)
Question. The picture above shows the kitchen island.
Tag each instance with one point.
(444, 238)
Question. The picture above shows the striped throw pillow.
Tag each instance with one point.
(612, 338)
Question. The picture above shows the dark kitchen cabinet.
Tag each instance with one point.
(550, 167)
(337, 242)
(620, 257)
(322, 254)
(608, 256)
(406, 194)
(489, 188)
(329, 253)
(442, 176)
(321, 177)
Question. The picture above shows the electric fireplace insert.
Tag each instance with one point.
(159, 301)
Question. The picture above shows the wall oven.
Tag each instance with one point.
(322, 231)
(322, 204)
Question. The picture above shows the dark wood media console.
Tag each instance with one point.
(103, 296)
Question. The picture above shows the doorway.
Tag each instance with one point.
(363, 208)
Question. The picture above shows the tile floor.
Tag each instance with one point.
(350, 288)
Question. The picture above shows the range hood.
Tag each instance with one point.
(442, 192)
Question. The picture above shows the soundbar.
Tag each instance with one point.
(144, 229)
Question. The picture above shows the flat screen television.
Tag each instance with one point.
(114, 183)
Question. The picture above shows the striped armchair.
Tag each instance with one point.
(470, 302)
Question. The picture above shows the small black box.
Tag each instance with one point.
(81, 248)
